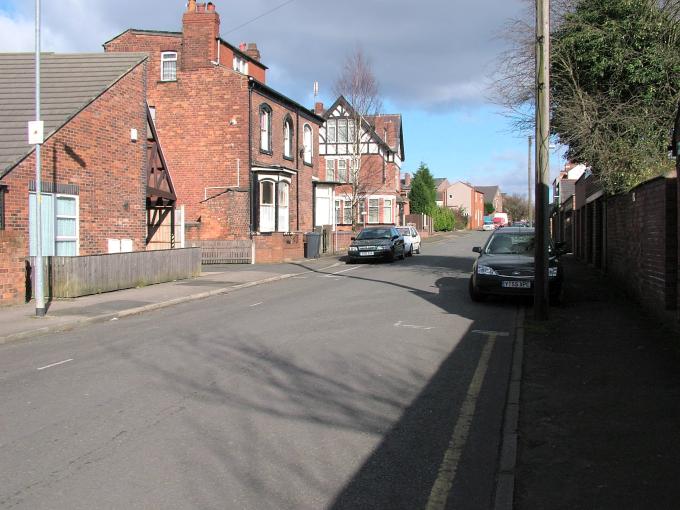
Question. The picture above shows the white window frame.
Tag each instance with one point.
(55, 218)
(330, 169)
(265, 128)
(240, 65)
(387, 208)
(307, 144)
(331, 131)
(373, 207)
(347, 212)
(288, 138)
(342, 170)
(342, 130)
(167, 57)
(283, 206)
(75, 238)
(338, 211)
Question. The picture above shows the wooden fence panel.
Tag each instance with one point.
(68, 277)
(225, 251)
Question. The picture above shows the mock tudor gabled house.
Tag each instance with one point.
(105, 184)
(380, 201)
(243, 155)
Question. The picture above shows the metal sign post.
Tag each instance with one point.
(35, 132)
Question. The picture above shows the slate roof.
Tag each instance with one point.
(488, 191)
(390, 124)
(69, 82)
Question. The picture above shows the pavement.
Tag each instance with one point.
(19, 322)
(599, 413)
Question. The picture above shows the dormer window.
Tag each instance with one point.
(169, 66)
(240, 65)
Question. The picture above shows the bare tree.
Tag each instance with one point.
(358, 85)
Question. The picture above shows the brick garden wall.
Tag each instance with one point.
(94, 152)
(641, 249)
(276, 247)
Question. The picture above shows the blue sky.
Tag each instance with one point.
(434, 60)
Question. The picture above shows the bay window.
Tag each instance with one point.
(387, 211)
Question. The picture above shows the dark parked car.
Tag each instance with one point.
(376, 243)
(505, 266)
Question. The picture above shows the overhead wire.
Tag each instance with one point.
(258, 17)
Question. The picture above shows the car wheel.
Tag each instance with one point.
(418, 249)
(403, 253)
(410, 251)
(475, 295)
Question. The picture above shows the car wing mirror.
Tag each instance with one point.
(477, 249)
(352, 238)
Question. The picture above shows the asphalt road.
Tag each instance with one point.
(357, 386)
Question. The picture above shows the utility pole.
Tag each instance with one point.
(529, 178)
(36, 136)
(542, 158)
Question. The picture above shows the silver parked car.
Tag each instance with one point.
(411, 239)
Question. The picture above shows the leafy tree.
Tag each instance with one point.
(615, 87)
(615, 83)
(488, 208)
(423, 194)
(516, 206)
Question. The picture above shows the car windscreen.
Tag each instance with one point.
(375, 233)
(511, 244)
(405, 231)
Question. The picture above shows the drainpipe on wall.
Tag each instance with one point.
(250, 154)
(297, 170)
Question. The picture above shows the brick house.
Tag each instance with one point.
(492, 195)
(104, 179)
(243, 155)
(379, 200)
(466, 199)
(441, 184)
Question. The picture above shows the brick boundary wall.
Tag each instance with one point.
(642, 245)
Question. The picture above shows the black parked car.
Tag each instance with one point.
(505, 266)
(377, 243)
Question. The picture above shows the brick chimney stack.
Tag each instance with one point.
(318, 108)
(407, 179)
(252, 51)
(200, 31)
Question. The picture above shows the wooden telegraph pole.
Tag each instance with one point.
(529, 168)
(542, 157)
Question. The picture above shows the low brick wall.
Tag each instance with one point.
(277, 247)
(12, 268)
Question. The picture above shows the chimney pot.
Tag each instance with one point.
(191, 6)
(242, 46)
(211, 7)
(318, 108)
(252, 51)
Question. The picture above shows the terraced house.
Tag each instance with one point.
(243, 155)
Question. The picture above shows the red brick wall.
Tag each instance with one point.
(301, 189)
(203, 126)
(92, 151)
(276, 247)
(641, 242)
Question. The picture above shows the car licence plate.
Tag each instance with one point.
(516, 284)
(367, 253)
